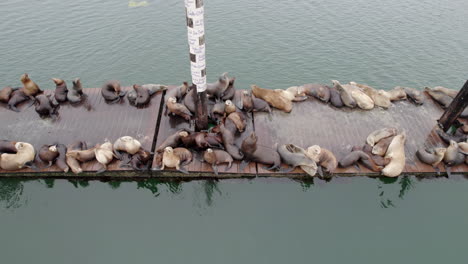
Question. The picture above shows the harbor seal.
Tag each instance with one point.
(216, 157)
(379, 134)
(396, 154)
(319, 91)
(178, 109)
(61, 90)
(5, 94)
(432, 159)
(295, 156)
(441, 98)
(276, 98)
(23, 157)
(112, 92)
(346, 97)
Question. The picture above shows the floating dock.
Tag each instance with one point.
(310, 123)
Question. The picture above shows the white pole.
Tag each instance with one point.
(196, 38)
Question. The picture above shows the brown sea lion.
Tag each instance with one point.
(415, 95)
(141, 160)
(324, 157)
(177, 92)
(139, 96)
(112, 92)
(295, 156)
(260, 154)
(335, 98)
(7, 147)
(17, 97)
(61, 90)
(381, 147)
(214, 140)
(379, 134)
(453, 156)
(378, 160)
(30, 88)
(243, 100)
(431, 158)
(76, 95)
(228, 141)
(193, 140)
(319, 91)
(396, 153)
(218, 88)
(178, 109)
(345, 95)
(127, 144)
(45, 107)
(184, 155)
(358, 155)
(216, 157)
(276, 98)
(378, 96)
(450, 92)
(218, 111)
(189, 99)
(260, 105)
(158, 157)
(239, 120)
(61, 160)
(5, 94)
(83, 155)
(48, 154)
(173, 140)
(441, 98)
(23, 157)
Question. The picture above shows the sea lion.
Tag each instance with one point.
(216, 157)
(293, 95)
(141, 160)
(142, 96)
(218, 110)
(295, 156)
(173, 140)
(297, 91)
(154, 88)
(184, 155)
(346, 97)
(458, 137)
(83, 155)
(214, 140)
(104, 155)
(378, 160)
(396, 94)
(194, 139)
(7, 147)
(243, 100)
(30, 88)
(5, 94)
(463, 147)
(189, 99)
(48, 154)
(73, 164)
(61, 160)
(379, 134)
(112, 92)
(17, 97)
(44, 106)
(319, 91)
(415, 95)
(453, 156)
(228, 141)
(431, 158)
(441, 98)
(178, 109)
(323, 157)
(335, 98)
(363, 101)
(229, 93)
(127, 144)
(381, 147)
(229, 107)
(464, 125)
(450, 92)
(171, 159)
(359, 155)
(396, 153)
(257, 153)
(218, 88)
(276, 98)
(177, 92)
(239, 120)
(61, 90)
(23, 158)
(76, 95)
(378, 96)
(260, 105)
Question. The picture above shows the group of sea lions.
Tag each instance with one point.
(18, 155)
(139, 96)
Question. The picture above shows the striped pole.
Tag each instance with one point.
(194, 11)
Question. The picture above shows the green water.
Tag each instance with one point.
(274, 44)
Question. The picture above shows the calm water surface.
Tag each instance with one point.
(274, 44)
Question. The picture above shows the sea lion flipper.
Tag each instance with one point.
(357, 167)
(13, 108)
(449, 171)
(183, 170)
(50, 164)
(215, 169)
(243, 164)
(320, 171)
(287, 170)
(102, 169)
(31, 165)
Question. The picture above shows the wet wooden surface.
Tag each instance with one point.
(171, 124)
(103, 121)
(314, 123)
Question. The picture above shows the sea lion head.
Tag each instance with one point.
(136, 86)
(24, 78)
(53, 148)
(228, 102)
(172, 100)
(313, 152)
(353, 83)
(183, 134)
(440, 151)
(77, 81)
(209, 150)
(168, 150)
(335, 82)
(57, 81)
(453, 144)
(245, 92)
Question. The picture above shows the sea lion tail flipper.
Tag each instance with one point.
(183, 170)
(436, 168)
(243, 164)
(102, 169)
(274, 166)
(215, 169)
(49, 165)
(13, 108)
(287, 170)
(449, 171)
(31, 165)
(357, 167)
(230, 165)
(118, 154)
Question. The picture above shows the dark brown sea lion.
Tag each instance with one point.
(189, 99)
(30, 88)
(243, 100)
(381, 147)
(228, 141)
(112, 92)
(76, 95)
(48, 154)
(415, 95)
(178, 109)
(217, 112)
(256, 153)
(45, 107)
(194, 140)
(379, 160)
(216, 157)
(141, 160)
(431, 158)
(335, 98)
(214, 140)
(260, 105)
(61, 90)
(7, 147)
(173, 140)
(61, 160)
(441, 98)
(17, 98)
(295, 156)
(319, 91)
(5, 94)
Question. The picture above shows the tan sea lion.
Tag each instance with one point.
(345, 95)
(415, 95)
(216, 157)
(363, 101)
(83, 155)
(239, 120)
(30, 88)
(7, 147)
(229, 145)
(379, 134)
(23, 158)
(48, 154)
(450, 92)
(378, 96)
(172, 160)
(295, 156)
(297, 91)
(73, 164)
(229, 107)
(276, 98)
(431, 158)
(127, 144)
(463, 146)
(319, 91)
(112, 92)
(396, 153)
(441, 98)
(260, 154)
(323, 157)
(381, 147)
(453, 156)
(104, 155)
(178, 109)
(61, 90)
(5, 94)
(184, 155)
(396, 94)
